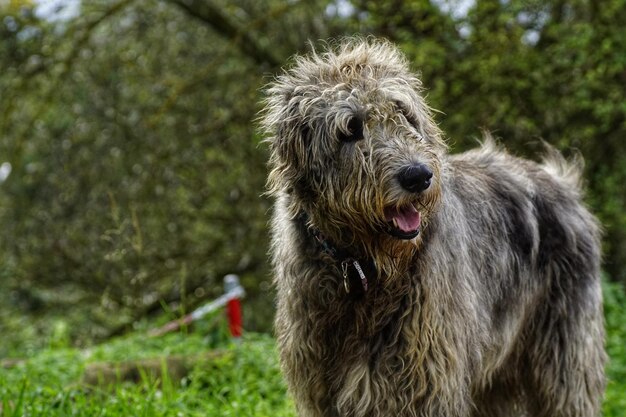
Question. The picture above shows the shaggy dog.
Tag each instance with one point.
(416, 283)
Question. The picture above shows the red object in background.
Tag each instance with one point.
(233, 312)
(233, 293)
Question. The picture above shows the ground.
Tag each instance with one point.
(234, 380)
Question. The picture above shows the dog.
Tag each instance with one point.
(413, 282)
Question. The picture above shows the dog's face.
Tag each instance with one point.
(353, 143)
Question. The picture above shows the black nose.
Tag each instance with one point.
(415, 178)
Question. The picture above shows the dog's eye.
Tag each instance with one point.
(407, 115)
(354, 131)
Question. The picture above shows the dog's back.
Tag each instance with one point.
(537, 267)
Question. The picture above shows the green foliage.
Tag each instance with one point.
(137, 172)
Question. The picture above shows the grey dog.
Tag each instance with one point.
(412, 282)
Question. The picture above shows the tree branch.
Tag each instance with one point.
(66, 66)
(212, 15)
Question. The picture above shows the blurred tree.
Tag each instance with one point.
(137, 171)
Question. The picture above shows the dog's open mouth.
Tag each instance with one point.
(403, 222)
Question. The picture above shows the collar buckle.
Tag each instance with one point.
(330, 250)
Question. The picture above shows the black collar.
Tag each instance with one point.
(354, 270)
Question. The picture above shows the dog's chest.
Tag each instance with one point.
(364, 329)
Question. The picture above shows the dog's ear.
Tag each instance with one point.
(290, 141)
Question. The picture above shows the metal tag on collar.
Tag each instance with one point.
(358, 268)
(344, 267)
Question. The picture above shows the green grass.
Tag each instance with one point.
(243, 380)
(615, 313)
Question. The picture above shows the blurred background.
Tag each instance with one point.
(132, 171)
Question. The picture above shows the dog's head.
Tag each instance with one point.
(353, 144)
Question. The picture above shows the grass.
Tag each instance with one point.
(244, 380)
(241, 380)
(615, 314)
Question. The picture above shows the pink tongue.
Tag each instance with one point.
(407, 218)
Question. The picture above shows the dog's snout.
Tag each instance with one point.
(415, 178)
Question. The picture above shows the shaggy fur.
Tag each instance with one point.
(493, 309)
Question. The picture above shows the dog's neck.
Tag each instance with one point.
(358, 272)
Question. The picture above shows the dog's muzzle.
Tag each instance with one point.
(404, 221)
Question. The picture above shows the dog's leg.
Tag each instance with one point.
(566, 355)
(567, 370)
